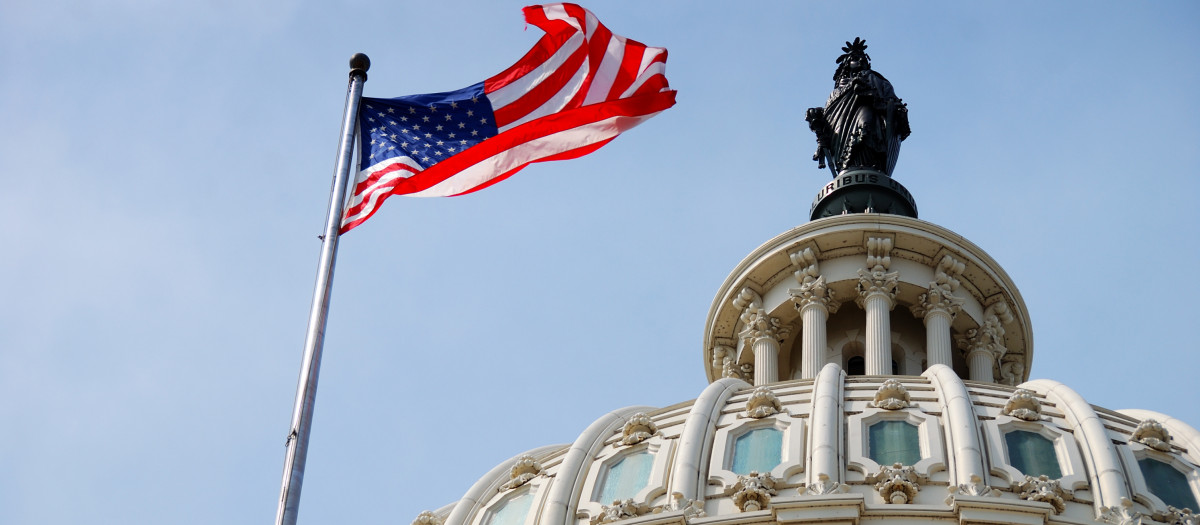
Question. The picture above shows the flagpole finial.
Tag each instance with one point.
(359, 64)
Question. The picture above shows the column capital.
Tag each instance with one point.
(875, 279)
(812, 291)
(989, 337)
(940, 298)
(756, 323)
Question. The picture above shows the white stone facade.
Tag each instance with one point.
(824, 412)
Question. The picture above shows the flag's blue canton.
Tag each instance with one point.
(426, 128)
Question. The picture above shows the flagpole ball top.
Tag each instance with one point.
(359, 63)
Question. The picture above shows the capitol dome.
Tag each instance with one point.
(768, 442)
(864, 367)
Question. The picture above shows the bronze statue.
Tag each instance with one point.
(863, 121)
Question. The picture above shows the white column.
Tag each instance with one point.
(876, 294)
(937, 337)
(815, 301)
(985, 345)
(937, 309)
(980, 361)
(879, 333)
(813, 339)
(766, 360)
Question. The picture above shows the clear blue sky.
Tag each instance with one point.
(165, 170)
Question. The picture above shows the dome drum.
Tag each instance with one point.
(921, 271)
(859, 449)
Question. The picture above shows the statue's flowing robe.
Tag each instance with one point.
(864, 123)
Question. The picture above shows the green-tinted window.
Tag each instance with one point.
(893, 442)
(625, 478)
(1032, 454)
(1169, 484)
(757, 450)
(513, 511)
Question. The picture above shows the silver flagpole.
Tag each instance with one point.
(314, 340)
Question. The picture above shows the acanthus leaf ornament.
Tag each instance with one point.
(892, 396)
(896, 484)
(989, 337)
(875, 278)
(973, 487)
(428, 518)
(524, 469)
(812, 290)
(1174, 516)
(691, 508)
(1045, 490)
(637, 429)
(753, 491)
(620, 510)
(1121, 515)
(762, 403)
(1152, 434)
(1012, 369)
(756, 323)
(824, 486)
(1023, 404)
(940, 296)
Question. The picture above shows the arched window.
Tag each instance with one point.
(892, 442)
(1168, 483)
(625, 478)
(757, 450)
(1032, 454)
(514, 511)
(856, 366)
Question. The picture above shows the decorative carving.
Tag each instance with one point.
(812, 288)
(756, 324)
(753, 491)
(824, 486)
(523, 470)
(940, 296)
(638, 429)
(1045, 490)
(747, 371)
(1152, 434)
(875, 278)
(1174, 516)
(1122, 515)
(973, 487)
(863, 122)
(692, 508)
(1012, 369)
(725, 363)
(989, 337)
(428, 518)
(892, 395)
(619, 510)
(763, 403)
(896, 484)
(718, 359)
(1023, 404)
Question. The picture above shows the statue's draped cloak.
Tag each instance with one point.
(860, 115)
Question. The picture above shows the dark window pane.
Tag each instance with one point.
(894, 442)
(1169, 484)
(1032, 454)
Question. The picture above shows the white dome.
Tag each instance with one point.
(831, 444)
(969, 441)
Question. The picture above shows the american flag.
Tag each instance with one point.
(576, 90)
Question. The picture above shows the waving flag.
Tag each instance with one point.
(576, 90)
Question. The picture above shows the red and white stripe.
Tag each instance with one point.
(577, 89)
